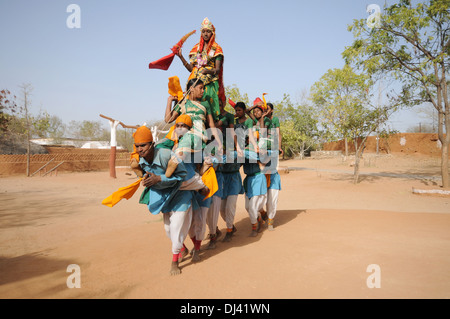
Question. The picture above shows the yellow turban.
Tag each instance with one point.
(143, 135)
(184, 118)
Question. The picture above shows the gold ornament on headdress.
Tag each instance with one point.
(206, 24)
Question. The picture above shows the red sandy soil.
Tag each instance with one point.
(327, 232)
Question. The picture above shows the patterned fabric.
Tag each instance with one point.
(205, 58)
(194, 140)
(206, 24)
(211, 95)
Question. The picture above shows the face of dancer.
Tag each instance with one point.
(206, 35)
(145, 150)
(239, 112)
(257, 112)
(181, 129)
(197, 91)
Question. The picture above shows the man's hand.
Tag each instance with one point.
(150, 179)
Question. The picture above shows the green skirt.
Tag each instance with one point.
(211, 94)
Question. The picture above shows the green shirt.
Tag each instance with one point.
(255, 123)
(275, 122)
(227, 119)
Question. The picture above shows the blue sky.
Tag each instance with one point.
(276, 47)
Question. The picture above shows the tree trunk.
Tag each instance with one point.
(28, 131)
(358, 156)
(445, 141)
(346, 146)
(356, 170)
(444, 138)
(444, 164)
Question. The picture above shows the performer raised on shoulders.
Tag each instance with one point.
(206, 62)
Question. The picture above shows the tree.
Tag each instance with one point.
(26, 92)
(7, 105)
(338, 95)
(233, 93)
(87, 130)
(344, 102)
(56, 128)
(298, 126)
(412, 45)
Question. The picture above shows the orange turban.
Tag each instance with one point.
(143, 135)
(184, 118)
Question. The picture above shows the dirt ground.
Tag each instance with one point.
(328, 235)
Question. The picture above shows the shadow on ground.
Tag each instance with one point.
(241, 237)
(29, 267)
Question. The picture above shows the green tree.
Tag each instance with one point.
(344, 103)
(338, 95)
(298, 126)
(87, 130)
(7, 106)
(232, 92)
(411, 44)
(56, 129)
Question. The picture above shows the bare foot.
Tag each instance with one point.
(183, 254)
(174, 269)
(196, 256)
(254, 233)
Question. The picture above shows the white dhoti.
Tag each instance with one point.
(212, 218)
(272, 201)
(177, 226)
(228, 210)
(254, 205)
(198, 225)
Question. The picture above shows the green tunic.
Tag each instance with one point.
(196, 137)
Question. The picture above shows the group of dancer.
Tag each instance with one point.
(192, 175)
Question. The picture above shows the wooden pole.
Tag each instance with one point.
(112, 155)
(112, 162)
(53, 168)
(42, 167)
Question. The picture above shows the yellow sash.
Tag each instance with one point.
(123, 192)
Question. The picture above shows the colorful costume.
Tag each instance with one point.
(198, 112)
(165, 195)
(204, 57)
(255, 186)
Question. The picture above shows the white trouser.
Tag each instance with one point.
(198, 225)
(228, 209)
(213, 214)
(272, 201)
(253, 206)
(177, 226)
